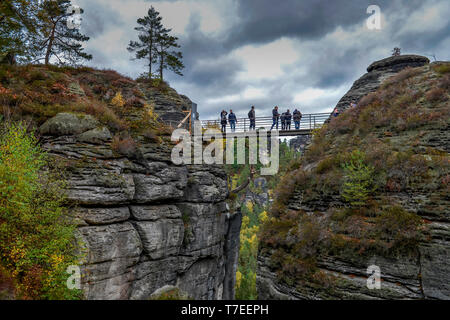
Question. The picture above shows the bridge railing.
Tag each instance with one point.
(308, 122)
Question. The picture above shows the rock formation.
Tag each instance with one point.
(144, 223)
(144, 227)
(171, 107)
(377, 73)
(316, 253)
(260, 194)
(300, 143)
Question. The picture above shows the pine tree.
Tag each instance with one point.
(16, 23)
(150, 28)
(169, 59)
(55, 37)
(358, 179)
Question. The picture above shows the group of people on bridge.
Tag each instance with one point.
(285, 119)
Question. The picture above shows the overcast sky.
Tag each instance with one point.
(291, 53)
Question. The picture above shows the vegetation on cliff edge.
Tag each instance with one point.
(343, 198)
(37, 238)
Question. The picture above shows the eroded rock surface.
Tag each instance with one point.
(421, 273)
(377, 72)
(144, 224)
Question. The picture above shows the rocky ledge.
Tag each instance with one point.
(420, 271)
(144, 224)
(378, 72)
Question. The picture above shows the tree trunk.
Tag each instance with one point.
(50, 46)
(161, 66)
(150, 55)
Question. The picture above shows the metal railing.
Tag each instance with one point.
(308, 122)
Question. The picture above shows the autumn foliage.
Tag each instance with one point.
(36, 237)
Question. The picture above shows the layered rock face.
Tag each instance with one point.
(377, 72)
(300, 143)
(144, 224)
(421, 273)
(260, 196)
(170, 105)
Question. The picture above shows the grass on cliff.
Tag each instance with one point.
(37, 93)
(350, 205)
(37, 239)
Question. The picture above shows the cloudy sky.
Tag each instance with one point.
(291, 53)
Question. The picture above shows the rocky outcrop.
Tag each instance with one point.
(420, 271)
(170, 106)
(259, 194)
(145, 224)
(300, 143)
(377, 73)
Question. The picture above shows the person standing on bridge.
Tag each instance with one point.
(283, 121)
(223, 120)
(275, 117)
(252, 117)
(233, 120)
(288, 119)
(297, 118)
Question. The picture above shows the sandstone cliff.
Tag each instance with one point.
(147, 226)
(317, 245)
(377, 72)
(144, 223)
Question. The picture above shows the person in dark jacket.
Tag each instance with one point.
(233, 120)
(223, 120)
(297, 119)
(283, 121)
(287, 119)
(252, 117)
(275, 117)
(336, 112)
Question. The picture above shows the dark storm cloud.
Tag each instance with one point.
(97, 18)
(325, 63)
(267, 20)
(198, 46)
(425, 42)
(263, 21)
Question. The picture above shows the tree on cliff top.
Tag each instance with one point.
(155, 44)
(16, 23)
(57, 35)
(150, 28)
(169, 59)
(396, 52)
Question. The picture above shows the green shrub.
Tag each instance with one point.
(442, 68)
(359, 179)
(37, 240)
(398, 225)
(253, 216)
(170, 294)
